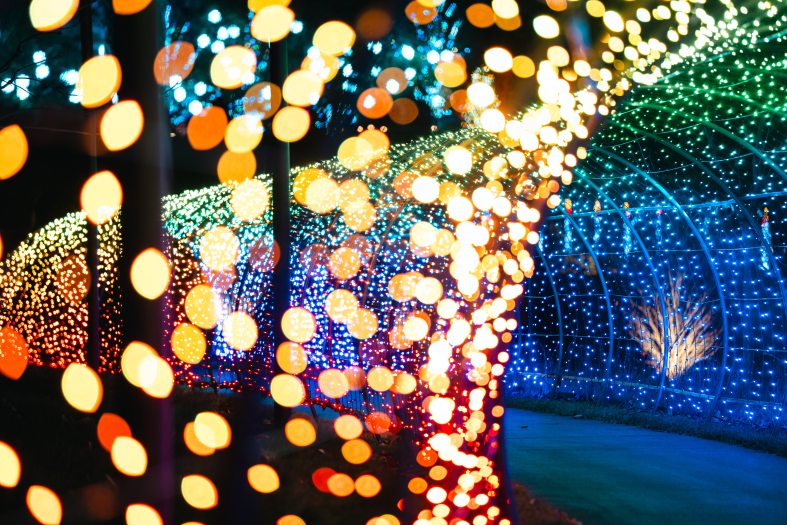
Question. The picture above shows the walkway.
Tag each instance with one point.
(601, 473)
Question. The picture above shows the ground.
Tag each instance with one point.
(59, 448)
(619, 474)
(771, 437)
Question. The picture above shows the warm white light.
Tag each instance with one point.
(493, 120)
(546, 26)
(498, 59)
(481, 94)
(426, 189)
(458, 159)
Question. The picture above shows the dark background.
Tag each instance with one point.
(59, 132)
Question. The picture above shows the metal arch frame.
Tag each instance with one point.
(755, 228)
(715, 127)
(703, 244)
(656, 281)
(559, 316)
(704, 65)
(757, 231)
(712, 92)
(604, 288)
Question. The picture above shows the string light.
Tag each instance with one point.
(696, 204)
(409, 260)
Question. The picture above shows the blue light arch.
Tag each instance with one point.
(698, 156)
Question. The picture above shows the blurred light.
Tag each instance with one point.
(498, 59)
(212, 430)
(334, 38)
(140, 514)
(129, 7)
(291, 124)
(82, 387)
(121, 125)
(300, 431)
(263, 478)
(129, 456)
(481, 94)
(10, 467)
(272, 23)
(217, 47)
(199, 492)
(99, 79)
(195, 107)
(240, 331)
(150, 273)
(70, 77)
(111, 426)
(49, 15)
(42, 71)
(13, 151)
(546, 26)
(458, 160)
(44, 505)
(505, 9)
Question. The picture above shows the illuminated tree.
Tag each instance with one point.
(693, 330)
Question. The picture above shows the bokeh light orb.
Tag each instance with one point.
(44, 505)
(49, 15)
(121, 125)
(99, 80)
(298, 325)
(13, 151)
(291, 124)
(150, 273)
(287, 390)
(101, 197)
(82, 388)
(240, 331)
(271, 23)
(10, 467)
(188, 343)
(263, 478)
(233, 67)
(458, 160)
(334, 38)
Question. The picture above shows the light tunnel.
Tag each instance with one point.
(671, 238)
(658, 281)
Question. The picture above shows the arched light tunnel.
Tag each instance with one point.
(658, 280)
(670, 293)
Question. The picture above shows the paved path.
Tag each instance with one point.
(601, 473)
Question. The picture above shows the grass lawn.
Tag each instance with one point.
(772, 440)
